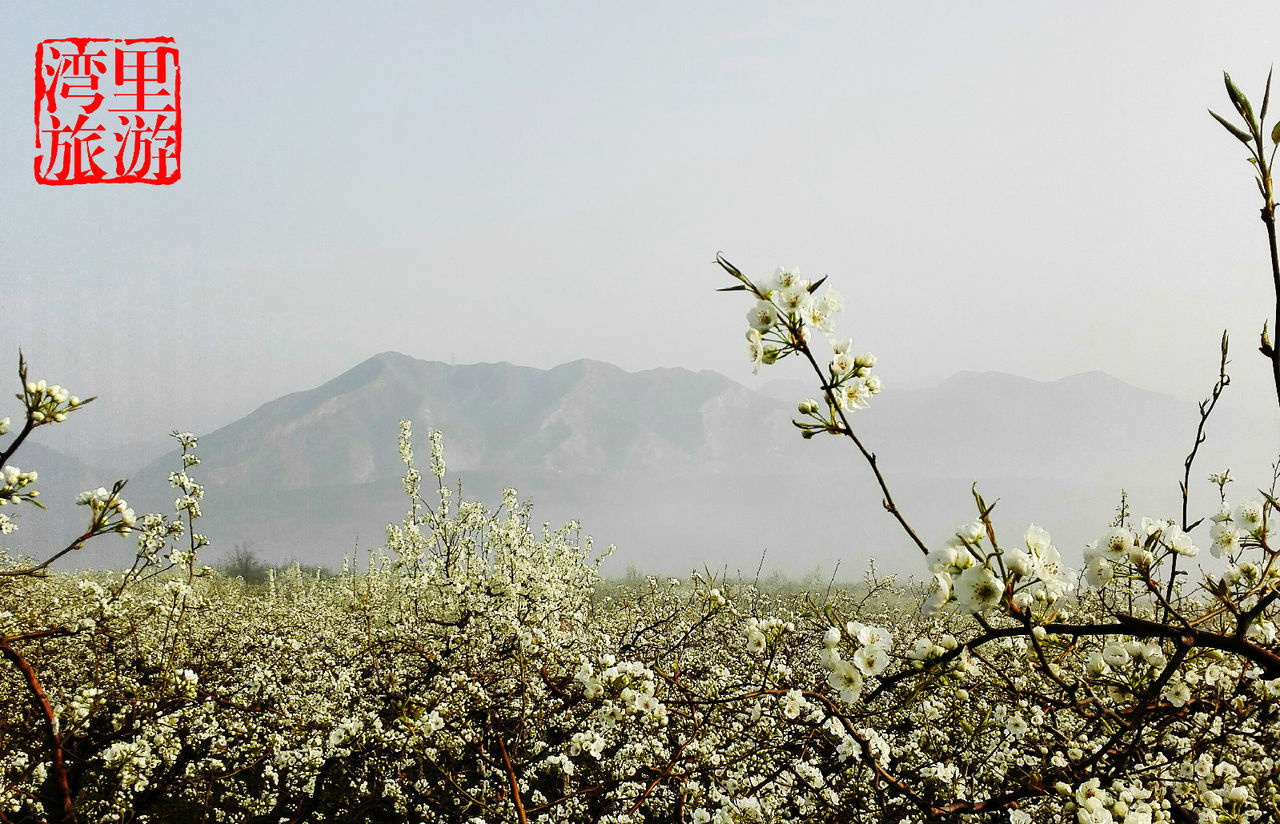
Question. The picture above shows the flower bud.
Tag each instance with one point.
(1140, 556)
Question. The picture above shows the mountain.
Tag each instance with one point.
(1083, 426)
(584, 417)
(581, 431)
(682, 468)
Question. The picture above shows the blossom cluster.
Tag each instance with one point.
(871, 656)
(109, 510)
(47, 403)
(14, 482)
(781, 323)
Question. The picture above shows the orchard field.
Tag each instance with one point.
(479, 669)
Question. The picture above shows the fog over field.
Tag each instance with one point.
(502, 221)
(682, 469)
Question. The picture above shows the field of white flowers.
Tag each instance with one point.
(479, 670)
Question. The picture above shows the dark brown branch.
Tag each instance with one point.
(888, 503)
(51, 722)
(515, 783)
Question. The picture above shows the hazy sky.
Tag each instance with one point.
(1028, 187)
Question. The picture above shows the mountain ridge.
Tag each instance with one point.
(678, 466)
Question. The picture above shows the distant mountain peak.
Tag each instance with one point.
(1095, 378)
(588, 366)
(988, 378)
(389, 356)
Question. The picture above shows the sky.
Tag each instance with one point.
(1033, 188)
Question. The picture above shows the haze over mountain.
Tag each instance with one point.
(682, 469)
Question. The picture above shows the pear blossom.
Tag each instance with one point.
(763, 316)
(794, 300)
(940, 595)
(1115, 543)
(846, 679)
(1098, 571)
(1249, 516)
(978, 589)
(871, 660)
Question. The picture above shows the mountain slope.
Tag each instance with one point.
(682, 468)
(581, 417)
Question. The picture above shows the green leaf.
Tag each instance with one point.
(738, 288)
(1275, 132)
(1241, 134)
(1266, 98)
(813, 287)
(1240, 102)
(728, 267)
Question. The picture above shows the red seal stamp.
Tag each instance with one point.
(108, 111)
